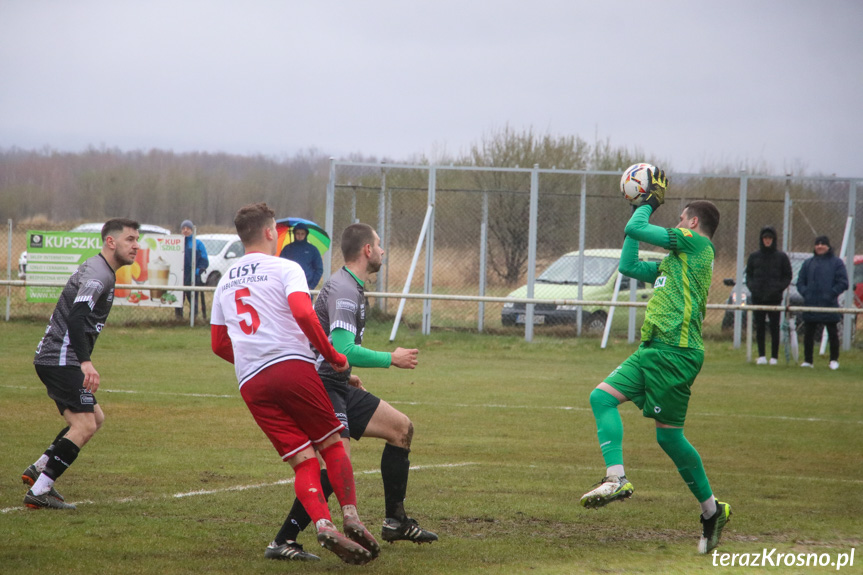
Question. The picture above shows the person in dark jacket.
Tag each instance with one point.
(768, 273)
(822, 278)
(305, 254)
(202, 262)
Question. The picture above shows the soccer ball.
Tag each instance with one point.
(635, 182)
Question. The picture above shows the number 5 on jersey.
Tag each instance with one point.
(243, 307)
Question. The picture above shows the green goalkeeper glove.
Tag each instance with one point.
(658, 186)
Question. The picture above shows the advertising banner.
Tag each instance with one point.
(54, 256)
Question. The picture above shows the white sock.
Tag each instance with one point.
(708, 507)
(615, 470)
(43, 485)
(41, 463)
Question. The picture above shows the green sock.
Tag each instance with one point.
(687, 460)
(609, 426)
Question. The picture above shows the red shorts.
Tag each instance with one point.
(291, 406)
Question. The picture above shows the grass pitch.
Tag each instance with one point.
(181, 480)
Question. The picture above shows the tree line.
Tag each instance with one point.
(163, 188)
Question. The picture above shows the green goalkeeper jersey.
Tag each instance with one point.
(680, 281)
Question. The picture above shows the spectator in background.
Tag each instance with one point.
(187, 228)
(768, 273)
(305, 254)
(822, 278)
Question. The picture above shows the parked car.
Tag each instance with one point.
(222, 250)
(560, 281)
(93, 227)
(796, 259)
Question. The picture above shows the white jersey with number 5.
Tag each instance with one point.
(252, 301)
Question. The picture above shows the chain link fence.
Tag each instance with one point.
(485, 241)
(481, 232)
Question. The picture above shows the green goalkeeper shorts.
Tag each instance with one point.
(657, 378)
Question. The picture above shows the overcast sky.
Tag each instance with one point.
(772, 83)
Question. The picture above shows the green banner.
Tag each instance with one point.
(53, 257)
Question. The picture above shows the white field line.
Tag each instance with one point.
(645, 470)
(480, 405)
(288, 481)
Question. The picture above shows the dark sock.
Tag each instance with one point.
(395, 467)
(60, 435)
(63, 455)
(297, 520)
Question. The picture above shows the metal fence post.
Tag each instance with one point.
(849, 265)
(581, 221)
(741, 241)
(531, 250)
(9, 271)
(786, 236)
(193, 300)
(382, 232)
(328, 218)
(426, 324)
(483, 250)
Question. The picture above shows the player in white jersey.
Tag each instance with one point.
(262, 321)
(63, 359)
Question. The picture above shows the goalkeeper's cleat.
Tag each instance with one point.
(611, 488)
(29, 477)
(45, 501)
(358, 533)
(711, 529)
(289, 551)
(407, 530)
(348, 551)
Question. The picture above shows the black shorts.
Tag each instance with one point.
(66, 387)
(354, 407)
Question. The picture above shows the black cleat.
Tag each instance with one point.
(29, 477)
(711, 529)
(407, 530)
(290, 551)
(45, 501)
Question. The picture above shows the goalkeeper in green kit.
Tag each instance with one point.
(658, 376)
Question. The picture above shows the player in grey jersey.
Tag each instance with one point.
(341, 311)
(63, 359)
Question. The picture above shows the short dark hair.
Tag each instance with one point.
(354, 239)
(251, 220)
(707, 214)
(115, 225)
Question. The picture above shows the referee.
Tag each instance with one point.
(63, 359)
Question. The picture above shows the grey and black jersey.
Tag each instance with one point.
(341, 304)
(93, 284)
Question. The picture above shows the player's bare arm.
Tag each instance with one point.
(405, 358)
(355, 381)
(91, 376)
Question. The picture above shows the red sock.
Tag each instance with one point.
(341, 473)
(307, 486)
